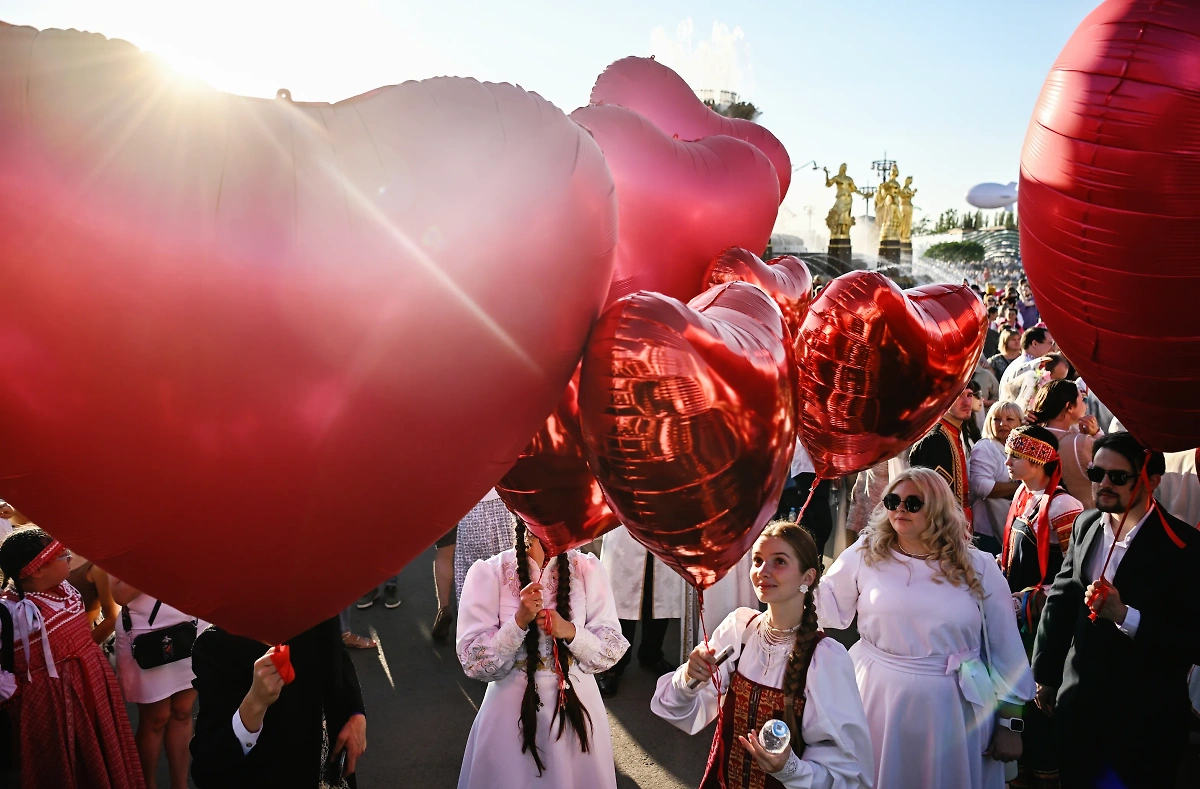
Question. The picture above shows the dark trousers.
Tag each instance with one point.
(818, 518)
(654, 631)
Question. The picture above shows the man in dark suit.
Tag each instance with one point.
(253, 731)
(1117, 686)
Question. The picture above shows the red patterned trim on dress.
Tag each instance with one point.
(58, 608)
(48, 554)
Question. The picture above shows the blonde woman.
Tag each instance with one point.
(922, 595)
(992, 487)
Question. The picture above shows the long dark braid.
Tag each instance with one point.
(531, 703)
(796, 674)
(18, 549)
(573, 709)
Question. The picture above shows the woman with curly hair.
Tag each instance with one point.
(782, 667)
(538, 631)
(941, 712)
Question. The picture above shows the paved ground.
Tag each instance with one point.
(420, 707)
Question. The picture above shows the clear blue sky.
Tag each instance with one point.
(946, 88)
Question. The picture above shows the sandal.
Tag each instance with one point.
(358, 642)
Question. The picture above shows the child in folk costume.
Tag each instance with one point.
(1036, 536)
(783, 668)
(68, 716)
(511, 608)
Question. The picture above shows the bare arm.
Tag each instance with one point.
(108, 605)
(123, 593)
(1004, 490)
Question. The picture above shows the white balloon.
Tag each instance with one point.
(992, 195)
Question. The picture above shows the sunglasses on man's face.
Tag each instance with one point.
(892, 502)
(1115, 476)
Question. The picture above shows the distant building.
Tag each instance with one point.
(721, 99)
(784, 244)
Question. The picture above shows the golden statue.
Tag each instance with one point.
(839, 221)
(906, 194)
(887, 207)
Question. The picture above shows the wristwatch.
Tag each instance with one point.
(1013, 724)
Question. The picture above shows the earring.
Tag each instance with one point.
(803, 588)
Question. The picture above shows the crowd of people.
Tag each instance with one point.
(1014, 610)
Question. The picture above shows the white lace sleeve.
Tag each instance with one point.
(598, 643)
(487, 647)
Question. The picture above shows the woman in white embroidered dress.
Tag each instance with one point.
(509, 609)
(782, 668)
(923, 594)
(992, 487)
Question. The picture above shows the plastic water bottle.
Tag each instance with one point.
(775, 736)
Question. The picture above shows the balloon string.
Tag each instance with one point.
(811, 490)
(1102, 585)
(562, 679)
(715, 754)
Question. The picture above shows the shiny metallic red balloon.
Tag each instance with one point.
(655, 91)
(687, 415)
(879, 366)
(1110, 196)
(785, 278)
(680, 203)
(551, 486)
(260, 354)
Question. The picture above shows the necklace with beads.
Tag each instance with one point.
(774, 641)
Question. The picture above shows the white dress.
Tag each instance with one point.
(985, 468)
(624, 558)
(837, 752)
(491, 648)
(148, 685)
(917, 665)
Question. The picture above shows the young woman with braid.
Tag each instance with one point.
(538, 631)
(783, 668)
(942, 713)
(68, 717)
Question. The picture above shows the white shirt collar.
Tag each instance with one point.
(1110, 527)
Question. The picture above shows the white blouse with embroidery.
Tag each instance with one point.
(491, 648)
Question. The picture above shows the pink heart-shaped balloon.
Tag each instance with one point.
(263, 353)
(879, 366)
(551, 486)
(785, 278)
(1110, 195)
(651, 89)
(688, 417)
(680, 203)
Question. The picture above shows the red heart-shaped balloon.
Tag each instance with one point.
(879, 366)
(785, 278)
(655, 91)
(680, 203)
(262, 354)
(551, 486)
(1110, 195)
(687, 415)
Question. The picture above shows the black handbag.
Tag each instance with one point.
(162, 646)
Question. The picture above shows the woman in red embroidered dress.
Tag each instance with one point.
(782, 668)
(68, 716)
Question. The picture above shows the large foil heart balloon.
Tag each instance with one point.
(551, 486)
(1110, 212)
(878, 366)
(261, 354)
(651, 89)
(688, 418)
(785, 278)
(681, 203)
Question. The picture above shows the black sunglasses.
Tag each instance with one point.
(1115, 476)
(911, 503)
